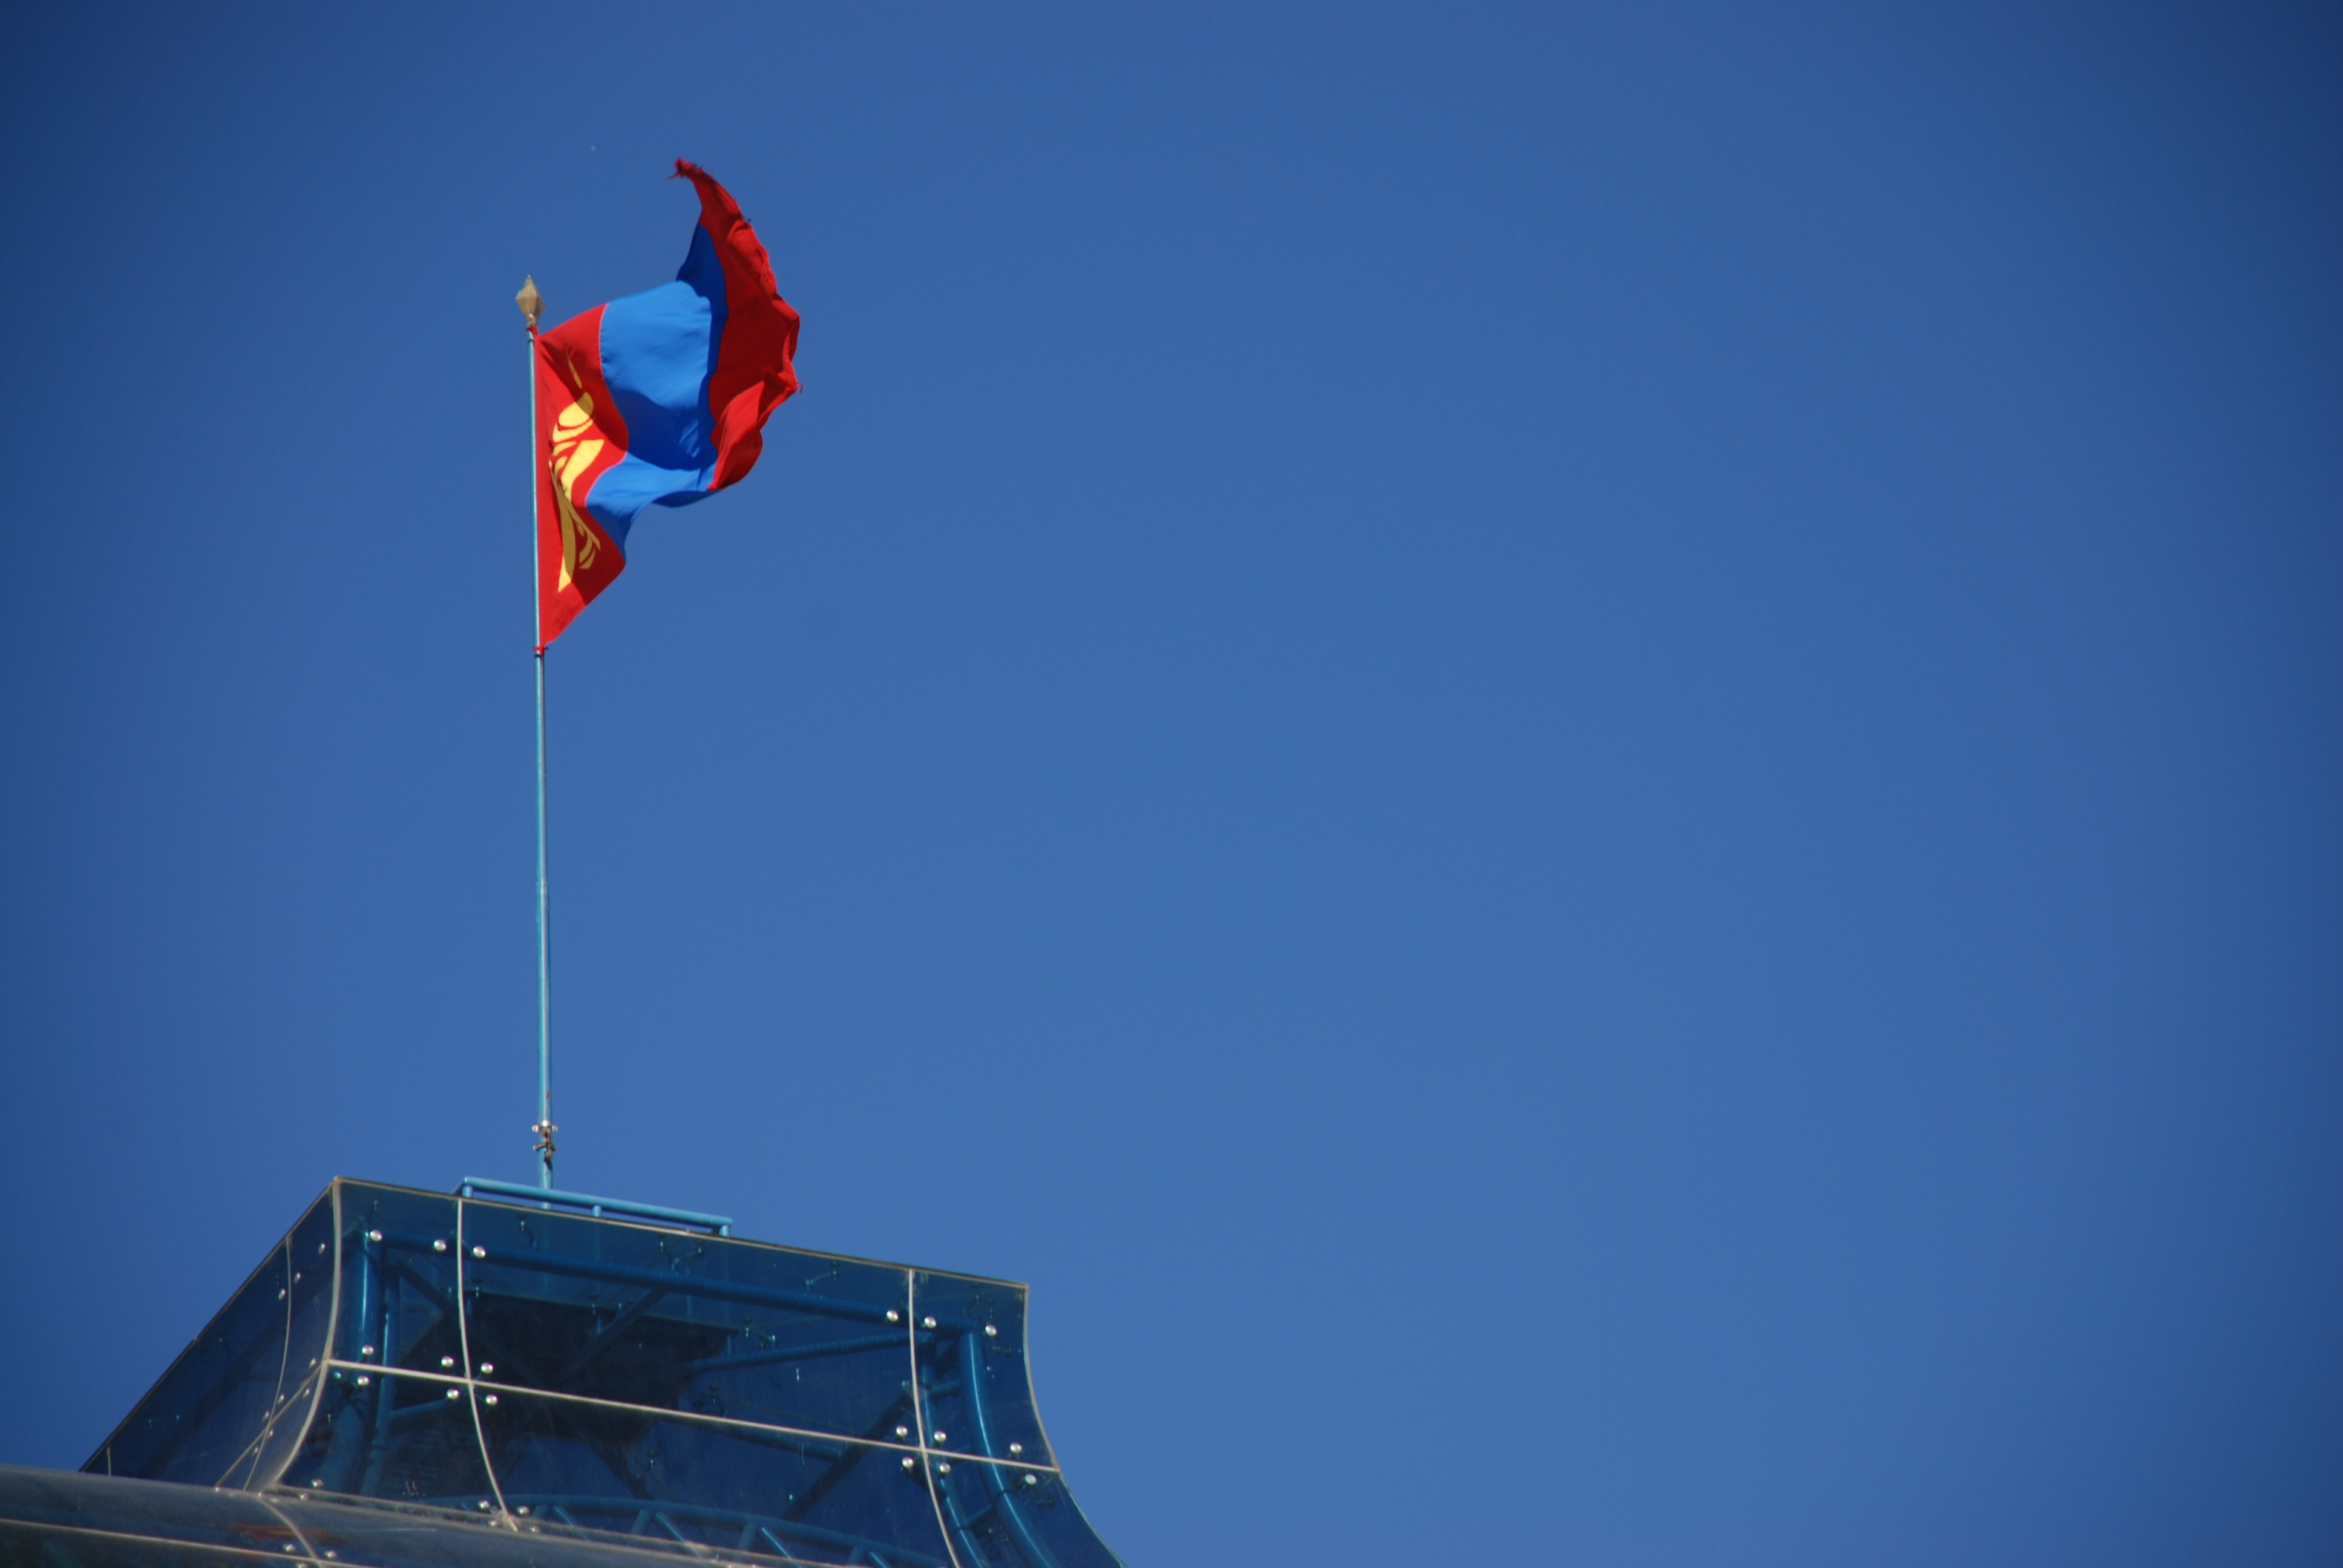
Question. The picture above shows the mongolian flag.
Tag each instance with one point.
(658, 398)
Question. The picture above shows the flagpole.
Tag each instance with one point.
(532, 305)
(544, 1128)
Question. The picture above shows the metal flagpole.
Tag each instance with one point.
(532, 305)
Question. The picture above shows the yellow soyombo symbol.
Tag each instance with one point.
(575, 447)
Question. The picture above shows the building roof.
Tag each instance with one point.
(467, 1363)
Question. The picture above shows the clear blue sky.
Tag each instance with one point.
(1583, 767)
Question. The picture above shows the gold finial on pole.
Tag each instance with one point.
(531, 303)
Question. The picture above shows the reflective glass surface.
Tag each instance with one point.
(50, 1506)
(310, 1312)
(1012, 1516)
(397, 1286)
(971, 1368)
(29, 1546)
(686, 1322)
(638, 1472)
(556, 1373)
(309, 1299)
(409, 1439)
(49, 1520)
(282, 1432)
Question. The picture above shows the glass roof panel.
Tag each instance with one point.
(48, 1507)
(1008, 1516)
(398, 1279)
(407, 1439)
(677, 1321)
(971, 1368)
(309, 1312)
(638, 1470)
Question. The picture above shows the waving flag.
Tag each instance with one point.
(656, 398)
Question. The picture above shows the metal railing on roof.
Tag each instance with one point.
(547, 1197)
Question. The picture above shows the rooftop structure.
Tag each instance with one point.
(503, 1374)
